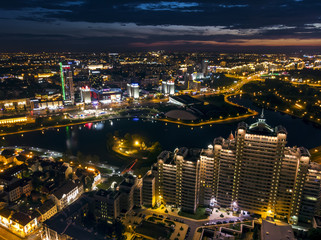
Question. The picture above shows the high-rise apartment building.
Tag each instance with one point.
(254, 171)
(148, 190)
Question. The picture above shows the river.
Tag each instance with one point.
(91, 138)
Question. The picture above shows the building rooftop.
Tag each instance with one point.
(46, 206)
(207, 153)
(5, 212)
(186, 100)
(191, 154)
(262, 128)
(62, 222)
(65, 189)
(110, 194)
(271, 230)
(21, 218)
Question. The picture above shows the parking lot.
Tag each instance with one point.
(137, 215)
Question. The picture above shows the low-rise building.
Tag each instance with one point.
(18, 188)
(66, 194)
(47, 210)
(19, 223)
(65, 225)
(271, 230)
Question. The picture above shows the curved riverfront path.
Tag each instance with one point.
(225, 120)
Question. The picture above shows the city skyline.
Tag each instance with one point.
(157, 119)
(67, 25)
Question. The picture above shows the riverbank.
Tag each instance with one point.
(57, 122)
(250, 113)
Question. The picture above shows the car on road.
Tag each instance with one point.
(231, 221)
(219, 222)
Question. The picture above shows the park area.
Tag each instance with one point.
(154, 230)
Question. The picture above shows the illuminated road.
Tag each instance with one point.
(235, 88)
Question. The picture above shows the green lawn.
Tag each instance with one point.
(200, 214)
(105, 170)
(153, 230)
(105, 185)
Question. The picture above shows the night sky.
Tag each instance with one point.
(98, 25)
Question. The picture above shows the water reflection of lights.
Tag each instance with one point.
(99, 126)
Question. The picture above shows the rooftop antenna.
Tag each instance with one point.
(262, 113)
(261, 118)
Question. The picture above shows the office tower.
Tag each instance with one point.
(67, 83)
(168, 87)
(171, 87)
(70, 92)
(164, 87)
(85, 95)
(133, 90)
(205, 67)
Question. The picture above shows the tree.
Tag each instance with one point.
(110, 141)
(221, 215)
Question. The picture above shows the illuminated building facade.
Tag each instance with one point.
(19, 223)
(107, 204)
(47, 210)
(255, 172)
(133, 90)
(168, 87)
(178, 178)
(67, 194)
(15, 104)
(148, 190)
(85, 95)
(16, 120)
(37, 104)
(67, 83)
